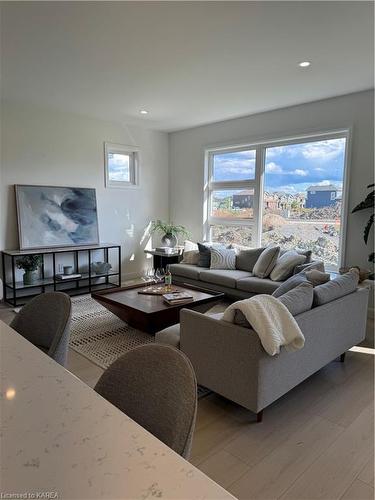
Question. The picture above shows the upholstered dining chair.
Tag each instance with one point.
(155, 385)
(45, 322)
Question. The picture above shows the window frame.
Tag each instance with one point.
(246, 184)
(133, 153)
(257, 183)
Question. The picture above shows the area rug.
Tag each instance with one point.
(102, 337)
(99, 335)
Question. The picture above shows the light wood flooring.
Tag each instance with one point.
(315, 442)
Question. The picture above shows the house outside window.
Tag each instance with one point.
(289, 193)
(232, 196)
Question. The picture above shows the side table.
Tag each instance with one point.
(162, 259)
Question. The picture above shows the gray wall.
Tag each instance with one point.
(186, 155)
(41, 146)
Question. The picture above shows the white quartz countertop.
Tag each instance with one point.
(59, 437)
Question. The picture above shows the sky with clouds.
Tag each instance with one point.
(118, 167)
(291, 168)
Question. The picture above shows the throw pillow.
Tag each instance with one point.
(334, 289)
(298, 299)
(189, 246)
(223, 258)
(266, 262)
(318, 264)
(246, 259)
(191, 257)
(285, 265)
(317, 277)
(306, 253)
(289, 284)
(240, 319)
(204, 259)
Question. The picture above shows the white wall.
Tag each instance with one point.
(186, 156)
(41, 146)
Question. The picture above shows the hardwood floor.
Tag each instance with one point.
(315, 442)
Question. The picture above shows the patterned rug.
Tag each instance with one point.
(102, 337)
(99, 335)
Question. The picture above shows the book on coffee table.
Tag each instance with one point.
(177, 298)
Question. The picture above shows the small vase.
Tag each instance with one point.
(29, 277)
(169, 240)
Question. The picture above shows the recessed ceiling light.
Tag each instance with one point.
(144, 112)
(304, 64)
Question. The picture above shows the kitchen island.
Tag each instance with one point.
(60, 439)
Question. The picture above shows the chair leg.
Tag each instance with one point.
(342, 357)
(260, 416)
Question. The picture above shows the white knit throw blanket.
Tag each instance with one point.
(271, 320)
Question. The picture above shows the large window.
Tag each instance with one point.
(289, 193)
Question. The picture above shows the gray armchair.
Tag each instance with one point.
(45, 322)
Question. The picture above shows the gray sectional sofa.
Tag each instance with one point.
(230, 360)
(236, 284)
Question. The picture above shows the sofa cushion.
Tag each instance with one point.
(285, 265)
(266, 262)
(185, 270)
(223, 258)
(257, 285)
(217, 316)
(299, 299)
(190, 246)
(191, 257)
(334, 289)
(246, 259)
(204, 255)
(289, 284)
(317, 277)
(169, 336)
(223, 277)
(240, 319)
(306, 253)
(309, 266)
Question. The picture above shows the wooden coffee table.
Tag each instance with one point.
(150, 313)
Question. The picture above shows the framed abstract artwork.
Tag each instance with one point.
(54, 216)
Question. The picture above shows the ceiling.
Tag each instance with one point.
(187, 63)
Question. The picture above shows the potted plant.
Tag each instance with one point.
(368, 203)
(169, 231)
(29, 263)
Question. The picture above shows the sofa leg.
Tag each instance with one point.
(260, 416)
(342, 357)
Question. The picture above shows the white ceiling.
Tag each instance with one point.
(187, 63)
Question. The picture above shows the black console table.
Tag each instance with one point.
(80, 258)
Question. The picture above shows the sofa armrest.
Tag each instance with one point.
(225, 356)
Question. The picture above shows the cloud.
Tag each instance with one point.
(324, 150)
(326, 182)
(240, 165)
(273, 168)
(300, 172)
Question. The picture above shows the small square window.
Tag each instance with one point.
(121, 165)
